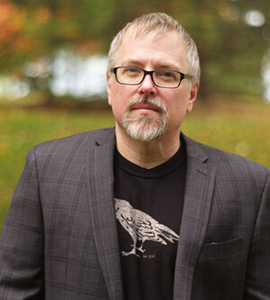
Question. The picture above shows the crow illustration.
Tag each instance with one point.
(141, 227)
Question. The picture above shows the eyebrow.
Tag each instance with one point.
(167, 66)
(137, 63)
(132, 62)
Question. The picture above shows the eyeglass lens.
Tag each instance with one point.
(165, 78)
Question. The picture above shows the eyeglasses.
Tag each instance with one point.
(161, 78)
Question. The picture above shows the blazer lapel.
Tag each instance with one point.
(103, 215)
(198, 198)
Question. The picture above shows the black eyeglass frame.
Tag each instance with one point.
(182, 76)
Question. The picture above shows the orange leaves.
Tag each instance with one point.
(11, 21)
(42, 15)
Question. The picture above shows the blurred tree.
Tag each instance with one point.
(231, 44)
(230, 50)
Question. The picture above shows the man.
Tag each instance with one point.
(139, 211)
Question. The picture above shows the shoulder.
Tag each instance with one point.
(73, 146)
(88, 138)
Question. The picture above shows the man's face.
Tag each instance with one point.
(145, 111)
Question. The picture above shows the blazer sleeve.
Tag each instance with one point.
(22, 240)
(257, 285)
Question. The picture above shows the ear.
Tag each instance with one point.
(192, 96)
(109, 82)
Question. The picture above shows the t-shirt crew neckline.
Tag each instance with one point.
(162, 170)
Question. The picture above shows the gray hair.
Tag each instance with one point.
(159, 23)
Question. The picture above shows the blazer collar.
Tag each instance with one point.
(197, 204)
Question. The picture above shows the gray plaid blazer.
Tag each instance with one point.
(59, 241)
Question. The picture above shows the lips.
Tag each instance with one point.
(146, 107)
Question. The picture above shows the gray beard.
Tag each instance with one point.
(145, 128)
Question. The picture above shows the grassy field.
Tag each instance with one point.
(238, 128)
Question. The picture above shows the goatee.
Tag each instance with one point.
(145, 128)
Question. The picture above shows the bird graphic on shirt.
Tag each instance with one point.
(141, 227)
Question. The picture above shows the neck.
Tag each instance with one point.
(147, 154)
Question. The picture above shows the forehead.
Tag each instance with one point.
(154, 48)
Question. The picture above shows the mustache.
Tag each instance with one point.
(147, 100)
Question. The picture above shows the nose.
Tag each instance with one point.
(147, 87)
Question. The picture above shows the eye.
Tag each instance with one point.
(166, 75)
(132, 71)
(169, 74)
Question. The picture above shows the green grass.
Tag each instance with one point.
(242, 129)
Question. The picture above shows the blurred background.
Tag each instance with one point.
(53, 59)
(54, 49)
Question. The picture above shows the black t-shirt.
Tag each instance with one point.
(148, 204)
